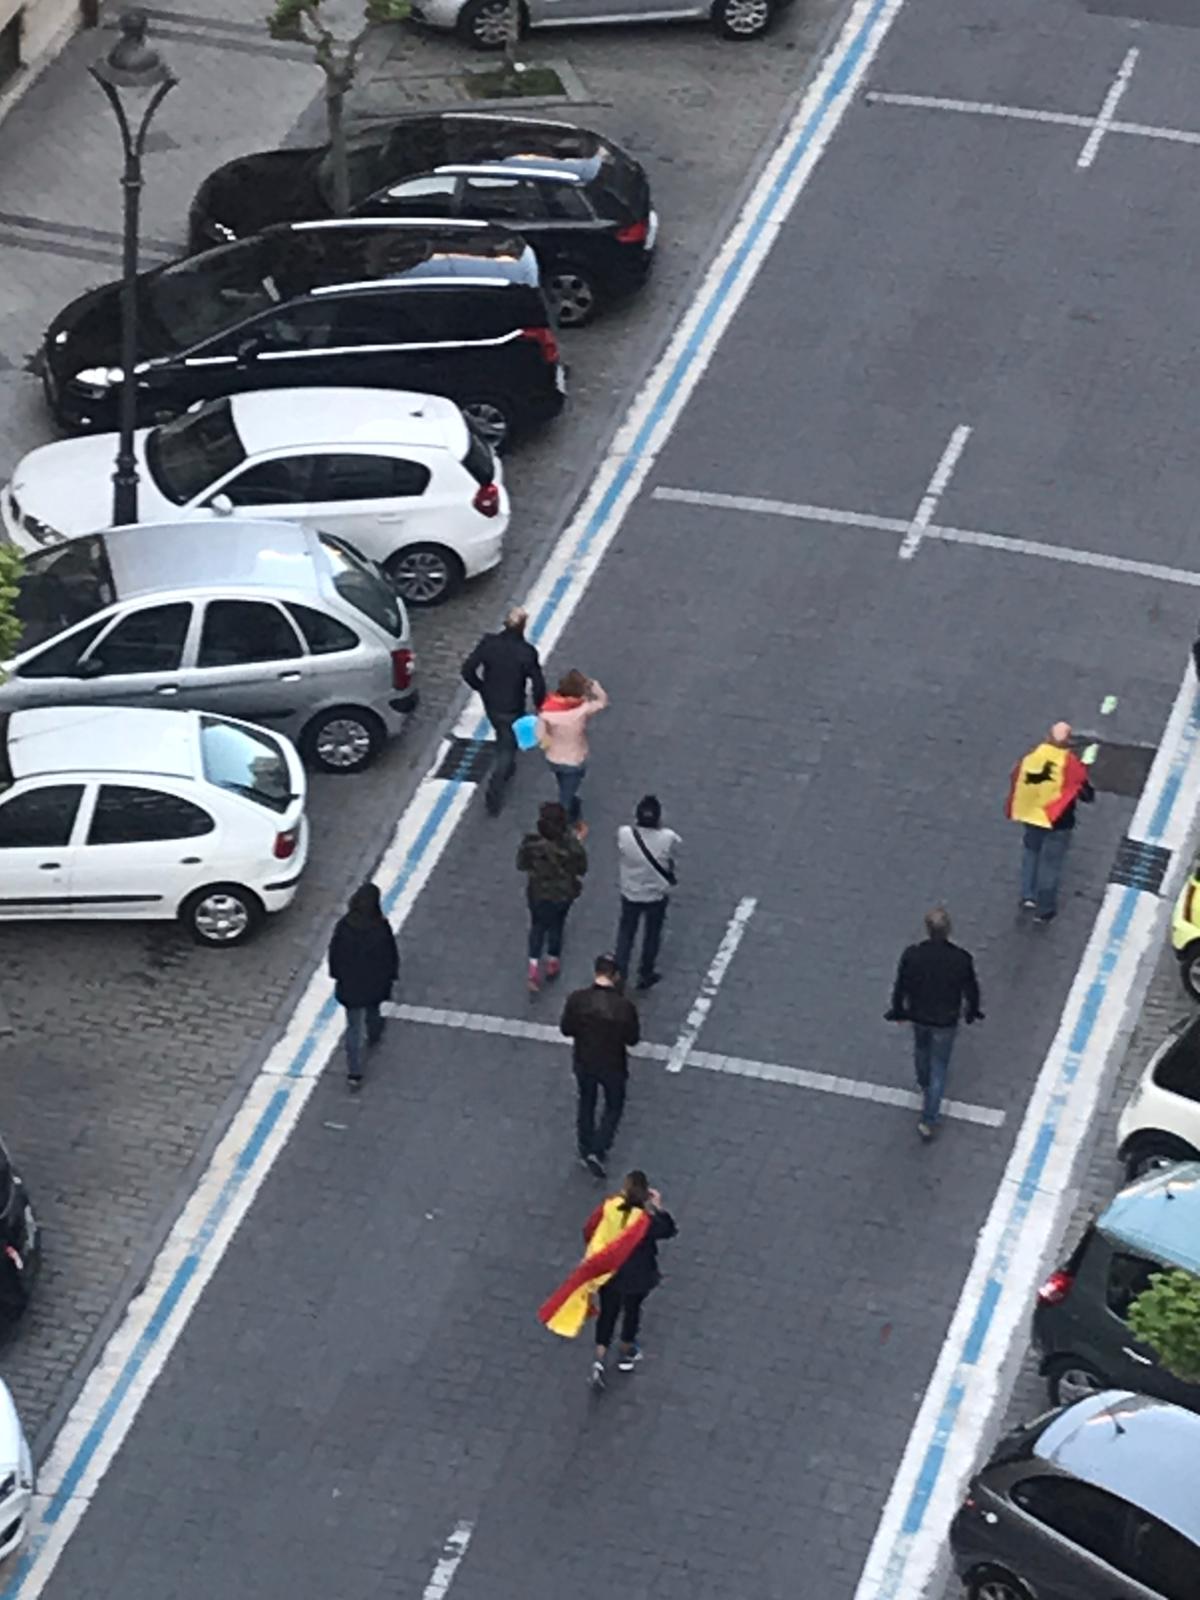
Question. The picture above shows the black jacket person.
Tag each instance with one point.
(500, 669)
(603, 1027)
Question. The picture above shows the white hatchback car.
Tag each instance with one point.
(16, 1476)
(1161, 1119)
(119, 812)
(401, 476)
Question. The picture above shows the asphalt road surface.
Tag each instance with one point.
(935, 490)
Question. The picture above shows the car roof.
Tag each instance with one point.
(346, 252)
(305, 418)
(1140, 1449)
(473, 138)
(1159, 1216)
(229, 552)
(100, 739)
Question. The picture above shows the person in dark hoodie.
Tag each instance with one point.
(554, 862)
(623, 1294)
(364, 963)
(499, 669)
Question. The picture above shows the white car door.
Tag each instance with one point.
(37, 829)
(378, 503)
(145, 850)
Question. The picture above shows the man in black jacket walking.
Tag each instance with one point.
(498, 669)
(935, 986)
(604, 1026)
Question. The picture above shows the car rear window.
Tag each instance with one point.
(187, 455)
(1128, 1275)
(479, 460)
(620, 192)
(251, 764)
(361, 584)
(63, 586)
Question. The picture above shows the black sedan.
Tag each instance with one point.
(582, 203)
(20, 1242)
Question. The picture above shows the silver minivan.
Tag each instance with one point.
(265, 621)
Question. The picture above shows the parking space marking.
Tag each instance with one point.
(797, 511)
(932, 497)
(713, 979)
(977, 108)
(1108, 110)
(707, 1061)
(453, 1551)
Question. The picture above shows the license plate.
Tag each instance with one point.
(560, 378)
(651, 232)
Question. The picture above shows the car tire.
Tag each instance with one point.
(492, 416)
(1147, 1151)
(342, 740)
(1069, 1379)
(221, 915)
(1189, 969)
(742, 19)
(483, 23)
(573, 294)
(995, 1583)
(425, 574)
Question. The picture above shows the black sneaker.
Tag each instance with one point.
(354, 1082)
(1044, 919)
(492, 802)
(596, 1377)
(628, 1359)
(649, 979)
(595, 1166)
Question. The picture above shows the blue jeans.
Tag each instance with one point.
(360, 1020)
(931, 1057)
(1042, 858)
(569, 779)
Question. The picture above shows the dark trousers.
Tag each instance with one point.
(547, 919)
(613, 1304)
(360, 1020)
(593, 1140)
(505, 763)
(632, 912)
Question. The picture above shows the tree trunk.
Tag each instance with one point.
(512, 37)
(335, 109)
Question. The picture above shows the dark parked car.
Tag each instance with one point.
(1080, 1325)
(582, 203)
(456, 310)
(1094, 1502)
(20, 1242)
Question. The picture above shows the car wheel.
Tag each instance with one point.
(343, 740)
(1068, 1380)
(222, 915)
(1150, 1151)
(1189, 969)
(425, 574)
(994, 1583)
(491, 417)
(483, 23)
(741, 19)
(572, 293)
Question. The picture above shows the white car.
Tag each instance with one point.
(400, 476)
(16, 1476)
(119, 812)
(1161, 1119)
(484, 23)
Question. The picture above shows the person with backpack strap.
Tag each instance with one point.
(646, 855)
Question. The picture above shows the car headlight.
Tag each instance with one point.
(219, 232)
(99, 379)
(8, 1485)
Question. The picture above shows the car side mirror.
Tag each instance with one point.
(89, 667)
(222, 505)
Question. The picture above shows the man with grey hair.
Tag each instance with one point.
(499, 669)
(935, 986)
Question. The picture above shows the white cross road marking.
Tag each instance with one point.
(932, 497)
(978, 108)
(453, 1551)
(707, 1061)
(1107, 111)
(702, 1005)
(799, 512)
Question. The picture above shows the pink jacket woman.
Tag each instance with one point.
(562, 730)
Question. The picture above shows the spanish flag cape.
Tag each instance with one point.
(1044, 784)
(612, 1234)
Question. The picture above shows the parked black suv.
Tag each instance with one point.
(453, 309)
(580, 201)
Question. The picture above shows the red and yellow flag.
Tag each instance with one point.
(612, 1234)
(1044, 783)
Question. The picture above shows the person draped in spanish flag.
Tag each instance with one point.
(619, 1269)
(1046, 786)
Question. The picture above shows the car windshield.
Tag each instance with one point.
(362, 584)
(251, 764)
(202, 296)
(187, 455)
(62, 586)
(367, 172)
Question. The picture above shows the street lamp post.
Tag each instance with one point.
(135, 66)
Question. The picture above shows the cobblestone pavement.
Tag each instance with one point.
(127, 1041)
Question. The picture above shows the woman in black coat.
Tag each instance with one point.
(364, 964)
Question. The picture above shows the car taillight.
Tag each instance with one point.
(1189, 900)
(545, 341)
(1056, 1288)
(487, 500)
(285, 844)
(635, 233)
(14, 1255)
(402, 666)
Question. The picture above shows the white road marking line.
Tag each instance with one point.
(932, 497)
(734, 1066)
(726, 951)
(1145, 130)
(453, 1551)
(1109, 109)
(978, 108)
(800, 512)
